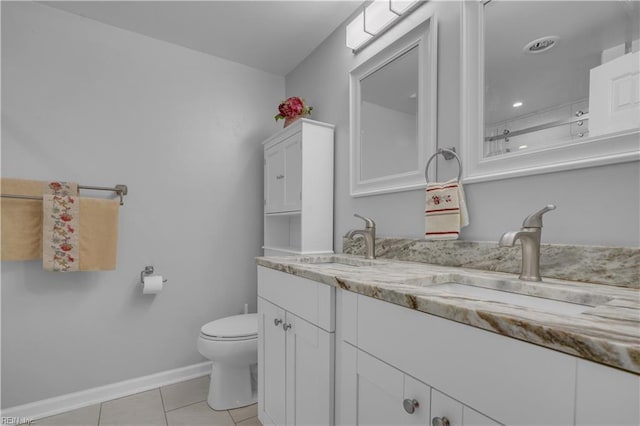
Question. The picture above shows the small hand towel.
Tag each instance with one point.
(21, 220)
(60, 227)
(98, 234)
(445, 211)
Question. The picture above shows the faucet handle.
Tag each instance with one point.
(370, 223)
(535, 220)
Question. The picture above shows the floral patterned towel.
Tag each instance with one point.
(60, 225)
(445, 211)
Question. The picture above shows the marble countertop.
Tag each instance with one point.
(607, 331)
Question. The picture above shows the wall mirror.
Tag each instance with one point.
(549, 85)
(392, 114)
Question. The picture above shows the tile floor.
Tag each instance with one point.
(180, 404)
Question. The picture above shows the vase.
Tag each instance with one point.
(290, 120)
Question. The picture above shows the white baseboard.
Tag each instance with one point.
(60, 404)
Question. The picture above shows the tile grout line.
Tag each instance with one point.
(184, 406)
(241, 420)
(99, 414)
(164, 411)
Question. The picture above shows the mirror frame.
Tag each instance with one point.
(424, 37)
(600, 150)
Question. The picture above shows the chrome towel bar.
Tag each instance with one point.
(121, 190)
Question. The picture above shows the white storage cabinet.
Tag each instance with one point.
(295, 350)
(298, 190)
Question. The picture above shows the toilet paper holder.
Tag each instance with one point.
(148, 270)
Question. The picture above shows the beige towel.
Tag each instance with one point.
(445, 211)
(98, 234)
(21, 220)
(22, 227)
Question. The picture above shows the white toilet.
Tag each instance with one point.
(231, 343)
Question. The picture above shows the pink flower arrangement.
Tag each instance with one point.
(293, 107)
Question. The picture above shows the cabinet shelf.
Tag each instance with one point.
(293, 251)
(290, 213)
(288, 250)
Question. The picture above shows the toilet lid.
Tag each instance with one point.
(232, 327)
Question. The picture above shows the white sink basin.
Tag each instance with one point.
(537, 303)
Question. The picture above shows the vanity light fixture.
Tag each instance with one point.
(517, 104)
(376, 18)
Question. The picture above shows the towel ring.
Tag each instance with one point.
(448, 154)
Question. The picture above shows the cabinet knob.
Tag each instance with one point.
(285, 327)
(440, 421)
(277, 322)
(410, 405)
(280, 177)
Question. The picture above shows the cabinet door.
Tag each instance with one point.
(471, 417)
(273, 179)
(606, 396)
(271, 362)
(456, 413)
(614, 95)
(443, 407)
(292, 181)
(309, 388)
(375, 392)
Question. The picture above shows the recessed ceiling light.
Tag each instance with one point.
(517, 104)
(522, 147)
(541, 44)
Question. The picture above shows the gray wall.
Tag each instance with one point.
(599, 205)
(90, 103)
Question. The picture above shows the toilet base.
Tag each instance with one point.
(230, 387)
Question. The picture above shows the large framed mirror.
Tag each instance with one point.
(393, 114)
(549, 86)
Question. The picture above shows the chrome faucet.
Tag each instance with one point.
(529, 235)
(369, 235)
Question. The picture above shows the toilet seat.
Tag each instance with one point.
(227, 339)
(234, 328)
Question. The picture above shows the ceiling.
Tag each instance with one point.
(274, 36)
(560, 75)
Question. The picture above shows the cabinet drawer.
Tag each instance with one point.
(310, 300)
(513, 382)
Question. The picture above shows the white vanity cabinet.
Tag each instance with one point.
(475, 377)
(298, 190)
(388, 354)
(376, 393)
(295, 350)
